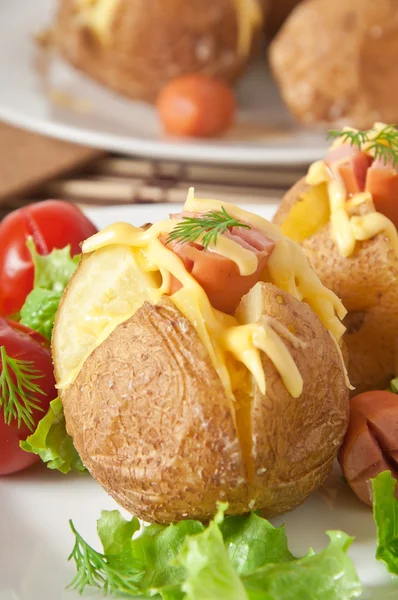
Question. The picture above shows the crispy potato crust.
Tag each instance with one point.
(154, 42)
(367, 283)
(150, 419)
(336, 61)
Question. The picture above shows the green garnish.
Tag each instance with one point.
(52, 274)
(52, 443)
(233, 558)
(209, 225)
(385, 512)
(394, 385)
(18, 390)
(94, 569)
(382, 144)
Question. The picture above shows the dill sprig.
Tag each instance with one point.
(111, 574)
(209, 225)
(18, 390)
(382, 144)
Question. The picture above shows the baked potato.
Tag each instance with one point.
(135, 47)
(364, 274)
(335, 61)
(186, 380)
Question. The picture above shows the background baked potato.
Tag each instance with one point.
(366, 282)
(152, 422)
(146, 44)
(336, 61)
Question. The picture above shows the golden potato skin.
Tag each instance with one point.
(325, 80)
(154, 42)
(295, 440)
(367, 283)
(150, 419)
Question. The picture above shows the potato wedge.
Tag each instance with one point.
(152, 422)
(366, 282)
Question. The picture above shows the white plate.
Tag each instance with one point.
(35, 507)
(265, 133)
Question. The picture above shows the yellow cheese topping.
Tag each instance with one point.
(221, 334)
(98, 16)
(250, 17)
(346, 230)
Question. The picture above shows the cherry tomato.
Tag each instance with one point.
(51, 224)
(24, 344)
(196, 105)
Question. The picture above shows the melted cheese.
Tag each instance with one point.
(288, 266)
(250, 17)
(98, 16)
(221, 334)
(346, 230)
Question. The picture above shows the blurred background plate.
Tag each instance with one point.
(40, 92)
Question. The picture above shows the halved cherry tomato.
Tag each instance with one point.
(196, 105)
(23, 344)
(51, 224)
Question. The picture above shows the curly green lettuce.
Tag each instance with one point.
(385, 512)
(52, 274)
(52, 443)
(233, 558)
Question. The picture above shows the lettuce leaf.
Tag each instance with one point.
(252, 542)
(52, 443)
(329, 575)
(40, 309)
(209, 571)
(385, 512)
(52, 271)
(239, 558)
(52, 274)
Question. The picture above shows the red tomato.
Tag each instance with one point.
(51, 224)
(24, 344)
(196, 105)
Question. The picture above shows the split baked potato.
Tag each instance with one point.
(173, 404)
(335, 61)
(365, 277)
(135, 47)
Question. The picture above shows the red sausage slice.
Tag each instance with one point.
(371, 442)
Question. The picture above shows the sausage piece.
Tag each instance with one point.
(371, 442)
